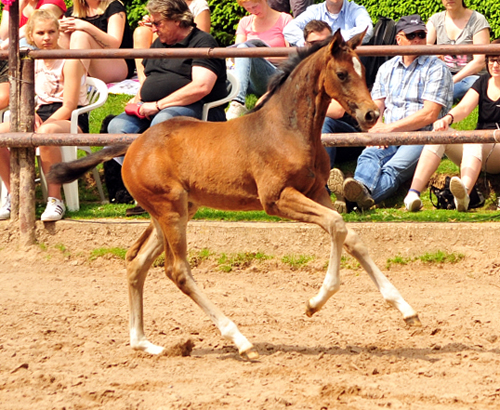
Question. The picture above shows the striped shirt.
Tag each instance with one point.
(405, 88)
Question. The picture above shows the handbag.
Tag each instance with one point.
(444, 197)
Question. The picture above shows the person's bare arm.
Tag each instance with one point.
(427, 115)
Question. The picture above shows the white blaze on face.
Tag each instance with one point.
(357, 66)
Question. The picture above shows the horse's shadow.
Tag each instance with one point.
(410, 353)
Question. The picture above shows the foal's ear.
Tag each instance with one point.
(357, 39)
(337, 42)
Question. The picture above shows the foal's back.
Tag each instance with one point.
(225, 165)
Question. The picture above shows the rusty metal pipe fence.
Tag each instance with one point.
(22, 139)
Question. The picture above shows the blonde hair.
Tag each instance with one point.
(242, 2)
(39, 15)
(80, 8)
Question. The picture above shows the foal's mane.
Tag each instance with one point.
(286, 68)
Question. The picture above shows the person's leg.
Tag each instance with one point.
(299, 6)
(143, 38)
(462, 86)
(107, 70)
(427, 164)
(335, 126)
(383, 172)
(128, 124)
(5, 166)
(4, 95)
(491, 158)
(193, 110)
(260, 73)
(280, 5)
(242, 68)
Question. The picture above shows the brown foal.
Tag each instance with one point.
(271, 159)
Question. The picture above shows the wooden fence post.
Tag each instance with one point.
(22, 183)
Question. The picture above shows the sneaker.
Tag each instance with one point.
(413, 202)
(54, 211)
(355, 191)
(460, 196)
(335, 184)
(235, 110)
(5, 210)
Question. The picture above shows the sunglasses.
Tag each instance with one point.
(493, 60)
(157, 24)
(420, 34)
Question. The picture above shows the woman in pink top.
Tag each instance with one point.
(263, 28)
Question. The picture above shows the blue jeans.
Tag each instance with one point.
(253, 75)
(130, 124)
(460, 88)
(337, 126)
(382, 171)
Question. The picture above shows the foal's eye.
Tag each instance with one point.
(342, 75)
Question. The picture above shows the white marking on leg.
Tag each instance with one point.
(331, 283)
(389, 292)
(357, 66)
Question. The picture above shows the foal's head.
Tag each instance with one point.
(343, 79)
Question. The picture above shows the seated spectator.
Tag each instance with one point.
(175, 86)
(26, 9)
(472, 158)
(345, 15)
(263, 28)
(411, 92)
(99, 24)
(296, 6)
(460, 25)
(60, 89)
(144, 37)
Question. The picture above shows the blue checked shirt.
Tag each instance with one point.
(351, 20)
(405, 88)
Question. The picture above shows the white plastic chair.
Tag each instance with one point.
(233, 87)
(97, 95)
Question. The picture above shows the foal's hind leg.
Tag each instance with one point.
(178, 270)
(356, 248)
(139, 259)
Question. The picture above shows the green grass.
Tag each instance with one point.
(296, 261)
(239, 260)
(438, 257)
(100, 252)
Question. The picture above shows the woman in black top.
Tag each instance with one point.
(472, 158)
(94, 24)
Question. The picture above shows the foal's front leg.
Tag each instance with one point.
(357, 249)
(292, 204)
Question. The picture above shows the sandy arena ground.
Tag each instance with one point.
(64, 323)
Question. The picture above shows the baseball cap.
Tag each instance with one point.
(410, 24)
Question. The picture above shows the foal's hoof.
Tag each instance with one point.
(413, 321)
(250, 354)
(310, 310)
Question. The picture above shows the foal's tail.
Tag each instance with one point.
(65, 172)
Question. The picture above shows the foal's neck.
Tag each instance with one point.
(302, 99)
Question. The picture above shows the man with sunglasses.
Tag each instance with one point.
(411, 92)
